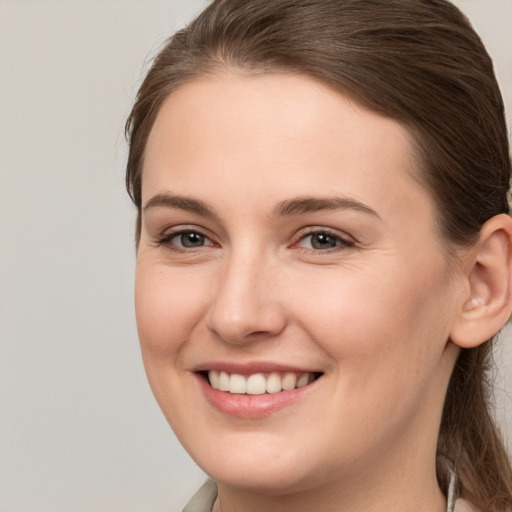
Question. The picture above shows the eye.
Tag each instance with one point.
(189, 239)
(322, 241)
(184, 239)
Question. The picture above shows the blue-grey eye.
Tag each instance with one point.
(324, 241)
(190, 239)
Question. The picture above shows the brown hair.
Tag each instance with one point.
(416, 61)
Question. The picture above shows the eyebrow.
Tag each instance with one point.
(289, 207)
(308, 204)
(180, 203)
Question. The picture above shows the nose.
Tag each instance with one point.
(246, 305)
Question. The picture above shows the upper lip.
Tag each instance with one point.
(251, 367)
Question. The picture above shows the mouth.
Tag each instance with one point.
(259, 383)
(254, 390)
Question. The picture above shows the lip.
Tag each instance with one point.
(251, 406)
(251, 368)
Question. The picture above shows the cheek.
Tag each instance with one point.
(373, 321)
(385, 337)
(168, 307)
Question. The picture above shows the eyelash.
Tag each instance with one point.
(165, 240)
(342, 243)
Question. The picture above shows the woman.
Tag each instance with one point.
(324, 254)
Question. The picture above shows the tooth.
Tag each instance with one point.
(289, 381)
(213, 377)
(303, 380)
(256, 384)
(237, 384)
(223, 381)
(274, 383)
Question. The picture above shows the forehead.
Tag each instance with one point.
(288, 106)
(292, 133)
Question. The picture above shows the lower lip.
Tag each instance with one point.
(251, 406)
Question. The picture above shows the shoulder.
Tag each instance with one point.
(204, 498)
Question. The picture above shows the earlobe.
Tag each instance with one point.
(488, 303)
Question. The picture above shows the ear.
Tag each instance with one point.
(487, 301)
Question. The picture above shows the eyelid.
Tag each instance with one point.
(164, 239)
(345, 239)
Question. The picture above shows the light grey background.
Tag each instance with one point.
(79, 429)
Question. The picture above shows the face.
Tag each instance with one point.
(293, 298)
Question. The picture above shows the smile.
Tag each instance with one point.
(254, 391)
(258, 383)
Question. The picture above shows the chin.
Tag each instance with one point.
(271, 479)
(262, 464)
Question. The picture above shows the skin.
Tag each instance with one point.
(373, 313)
